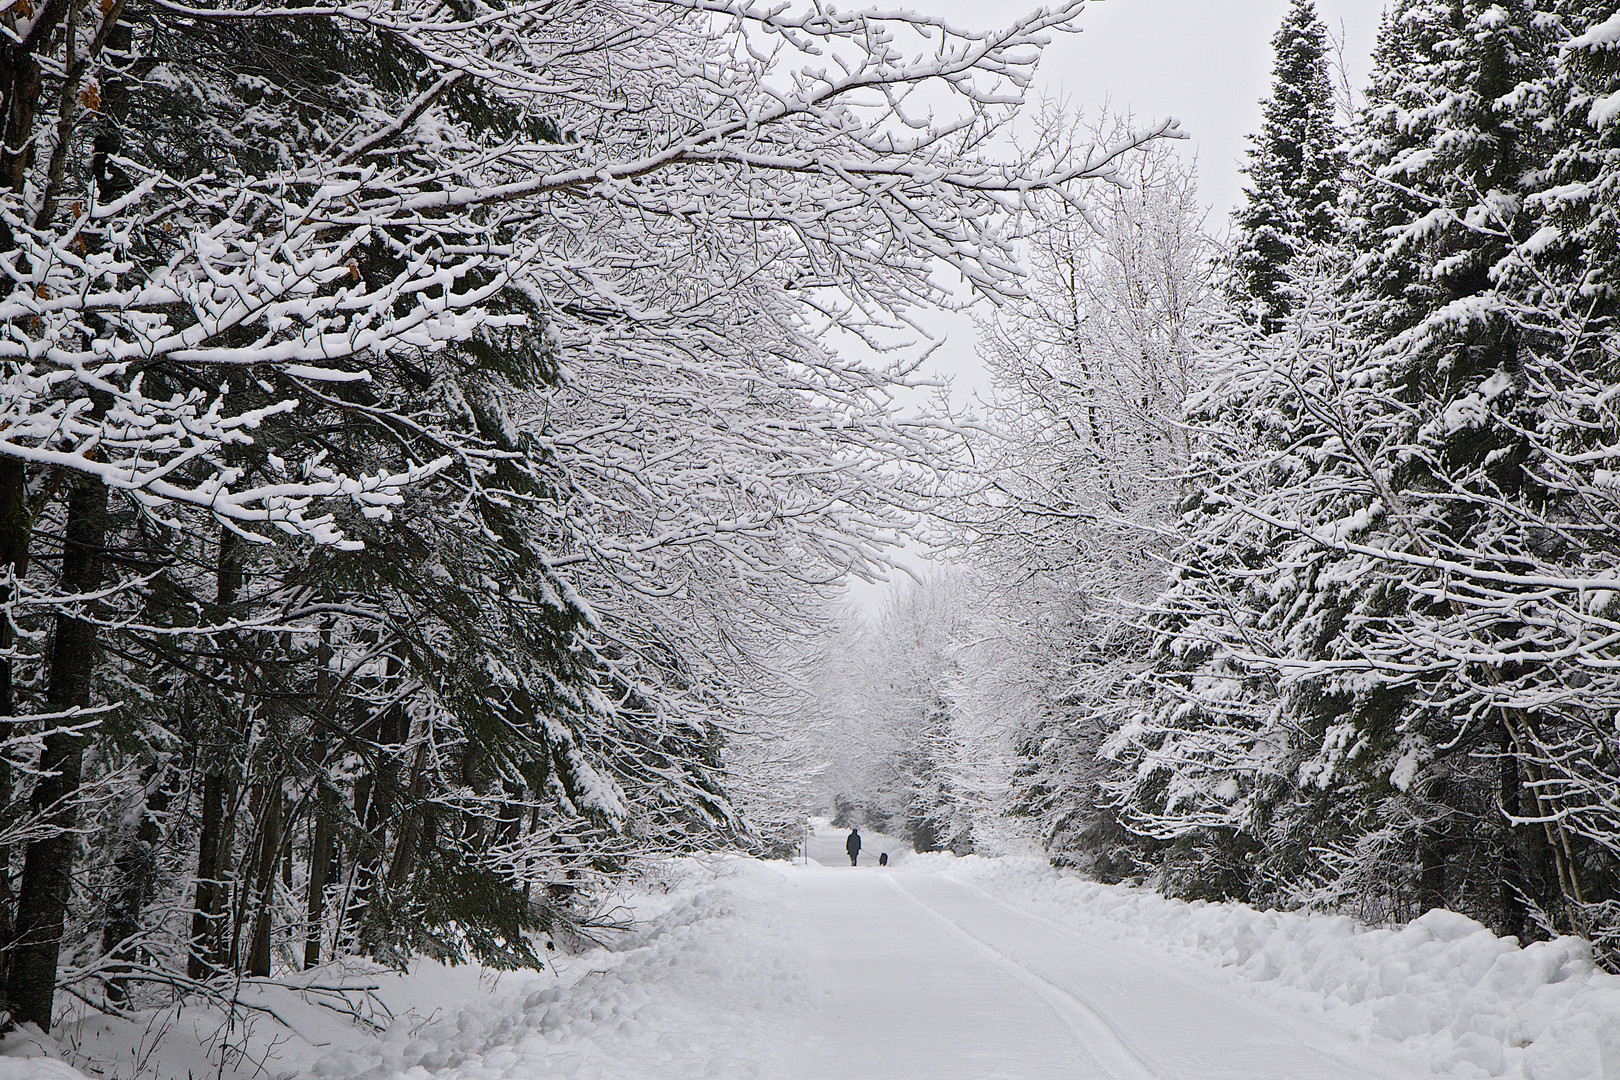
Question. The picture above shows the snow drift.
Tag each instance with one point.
(694, 990)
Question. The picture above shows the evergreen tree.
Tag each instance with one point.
(1295, 172)
(1455, 135)
(1375, 533)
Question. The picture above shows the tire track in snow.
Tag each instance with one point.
(1300, 1028)
(1099, 1037)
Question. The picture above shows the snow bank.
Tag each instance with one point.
(705, 986)
(1474, 1004)
(21, 1068)
(26, 1053)
(686, 995)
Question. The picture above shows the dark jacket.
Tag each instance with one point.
(853, 844)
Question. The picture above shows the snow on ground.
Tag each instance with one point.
(1444, 986)
(35, 1068)
(709, 985)
(935, 967)
(916, 976)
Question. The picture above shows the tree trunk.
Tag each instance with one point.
(134, 876)
(48, 865)
(20, 86)
(1431, 869)
(379, 808)
(214, 833)
(408, 833)
(286, 855)
(1511, 871)
(16, 531)
(265, 879)
(321, 842)
(242, 902)
(27, 985)
(212, 857)
(322, 854)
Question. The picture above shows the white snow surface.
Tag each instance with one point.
(37, 1068)
(935, 967)
(1443, 987)
(708, 985)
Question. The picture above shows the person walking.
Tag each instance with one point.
(853, 846)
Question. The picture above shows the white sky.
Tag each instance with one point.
(1205, 62)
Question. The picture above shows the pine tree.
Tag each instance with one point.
(1295, 171)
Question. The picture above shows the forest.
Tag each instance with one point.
(1285, 568)
(416, 436)
(433, 450)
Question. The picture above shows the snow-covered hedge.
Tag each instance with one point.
(1443, 985)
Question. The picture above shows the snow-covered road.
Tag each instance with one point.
(931, 968)
(915, 975)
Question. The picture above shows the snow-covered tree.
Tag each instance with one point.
(455, 374)
(1089, 373)
(1073, 518)
(1295, 170)
(1361, 687)
(881, 694)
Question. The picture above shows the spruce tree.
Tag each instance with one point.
(1455, 133)
(1295, 171)
(1355, 460)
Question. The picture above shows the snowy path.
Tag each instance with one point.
(747, 970)
(920, 976)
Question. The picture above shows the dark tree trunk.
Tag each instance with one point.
(208, 948)
(246, 887)
(16, 531)
(228, 573)
(410, 824)
(1514, 882)
(33, 936)
(21, 83)
(1431, 847)
(1431, 869)
(322, 847)
(511, 813)
(286, 855)
(367, 857)
(380, 807)
(212, 857)
(265, 880)
(322, 855)
(48, 865)
(134, 877)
